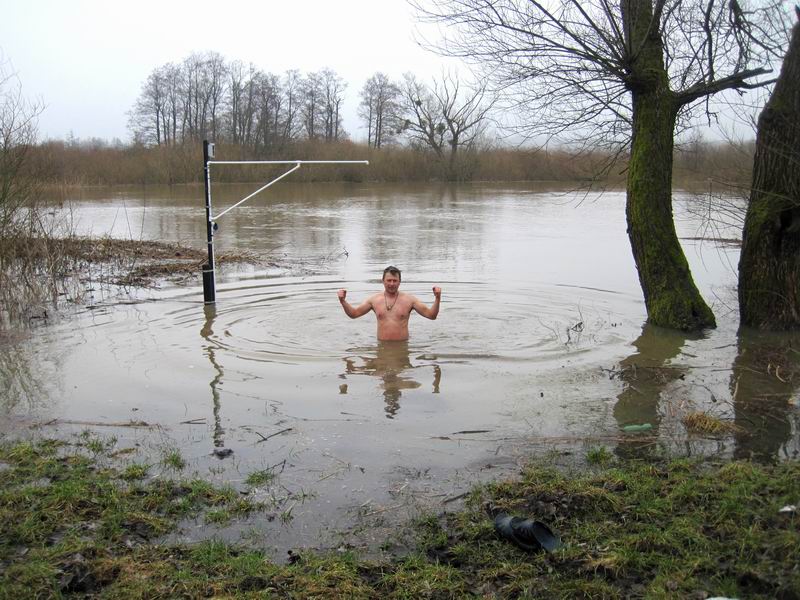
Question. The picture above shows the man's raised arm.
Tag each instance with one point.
(351, 311)
(432, 311)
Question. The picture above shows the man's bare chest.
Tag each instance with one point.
(399, 311)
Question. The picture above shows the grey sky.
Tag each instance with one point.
(87, 59)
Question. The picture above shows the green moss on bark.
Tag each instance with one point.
(769, 268)
(670, 295)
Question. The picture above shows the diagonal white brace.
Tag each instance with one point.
(259, 190)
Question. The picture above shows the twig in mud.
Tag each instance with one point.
(272, 435)
(383, 510)
(281, 463)
(466, 431)
(454, 498)
(199, 421)
(463, 439)
(332, 474)
(398, 490)
(100, 424)
(337, 459)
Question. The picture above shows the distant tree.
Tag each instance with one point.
(188, 102)
(18, 129)
(149, 117)
(171, 74)
(311, 108)
(291, 125)
(241, 103)
(333, 88)
(203, 88)
(627, 76)
(269, 112)
(205, 97)
(446, 118)
(380, 109)
(769, 267)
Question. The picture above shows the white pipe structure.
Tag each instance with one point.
(297, 164)
(209, 283)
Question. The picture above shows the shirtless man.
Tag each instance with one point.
(392, 307)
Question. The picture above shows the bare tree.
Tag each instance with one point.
(241, 102)
(312, 105)
(203, 88)
(269, 110)
(380, 109)
(148, 119)
(203, 96)
(446, 117)
(333, 88)
(18, 129)
(627, 76)
(291, 124)
(214, 89)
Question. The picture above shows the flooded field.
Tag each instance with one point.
(539, 346)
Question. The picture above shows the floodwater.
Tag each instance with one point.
(539, 346)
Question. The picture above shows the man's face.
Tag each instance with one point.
(391, 283)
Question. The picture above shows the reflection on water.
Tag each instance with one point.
(390, 362)
(763, 383)
(658, 384)
(645, 375)
(207, 333)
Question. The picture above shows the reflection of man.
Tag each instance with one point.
(392, 307)
(391, 363)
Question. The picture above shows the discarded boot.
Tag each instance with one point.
(528, 534)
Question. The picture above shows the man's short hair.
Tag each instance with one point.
(391, 271)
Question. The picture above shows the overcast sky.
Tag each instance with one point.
(87, 59)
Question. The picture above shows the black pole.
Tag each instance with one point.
(209, 286)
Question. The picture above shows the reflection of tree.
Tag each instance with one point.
(389, 363)
(645, 375)
(207, 332)
(22, 376)
(765, 374)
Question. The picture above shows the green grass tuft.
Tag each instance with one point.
(260, 478)
(173, 459)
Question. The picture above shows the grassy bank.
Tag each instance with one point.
(81, 519)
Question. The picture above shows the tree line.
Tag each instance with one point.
(206, 96)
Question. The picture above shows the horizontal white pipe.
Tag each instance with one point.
(288, 162)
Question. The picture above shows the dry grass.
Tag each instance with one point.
(97, 162)
(38, 274)
(700, 422)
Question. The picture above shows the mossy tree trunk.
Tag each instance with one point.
(769, 267)
(670, 295)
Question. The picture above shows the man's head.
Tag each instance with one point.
(391, 279)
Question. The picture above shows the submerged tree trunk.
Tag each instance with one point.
(769, 267)
(670, 295)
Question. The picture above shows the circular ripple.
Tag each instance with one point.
(299, 319)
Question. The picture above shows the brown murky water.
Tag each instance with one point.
(539, 346)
